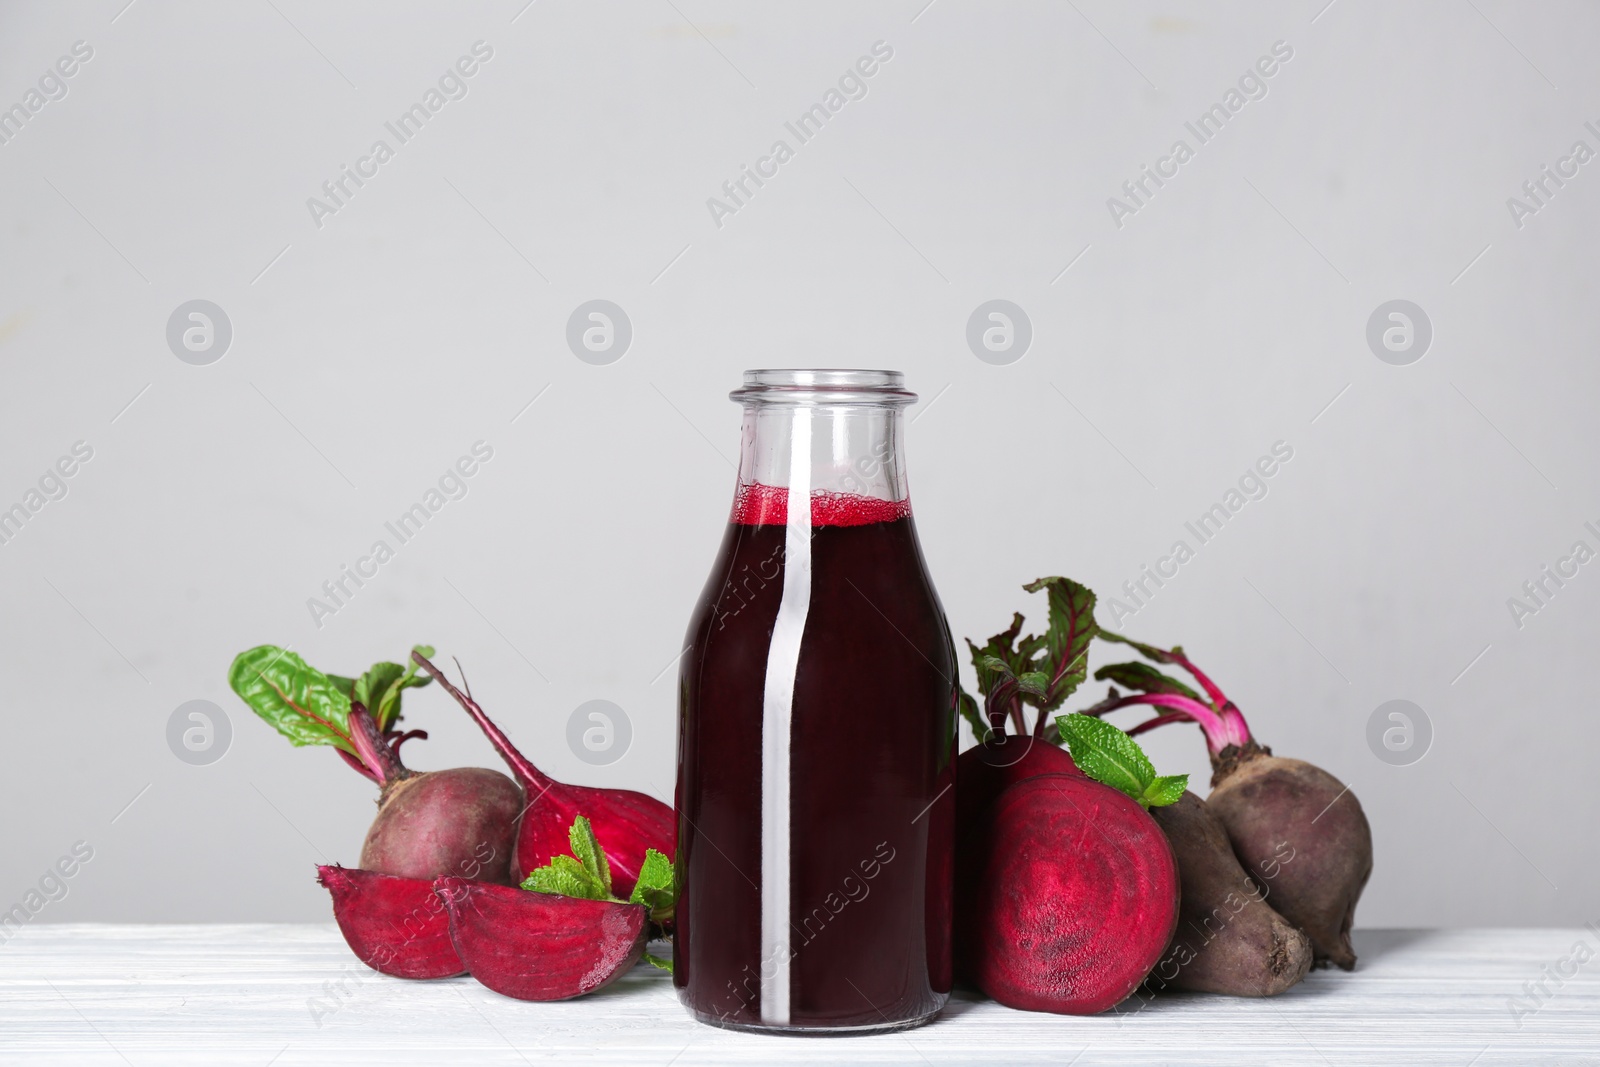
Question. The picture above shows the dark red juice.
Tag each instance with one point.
(871, 765)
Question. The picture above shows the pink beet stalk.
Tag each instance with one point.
(1221, 729)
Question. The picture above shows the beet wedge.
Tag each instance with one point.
(627, 823)
(538, 946)
(396, 926)
(1070, 898)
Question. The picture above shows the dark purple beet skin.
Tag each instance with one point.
(1273, 806)
(1229, 939)
(433, 823)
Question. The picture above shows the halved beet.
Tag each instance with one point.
(984, 771)
(1069, 899)
(627, 823)
(538, 946)
(394, 925)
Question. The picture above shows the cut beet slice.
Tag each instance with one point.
(538, 946)
(1071, 897)
(394, 925)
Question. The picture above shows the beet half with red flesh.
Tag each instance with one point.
(396, 926)
(1229, 939)
(539, 946)
(627, 823)
(1067, 898)
(1272, 807)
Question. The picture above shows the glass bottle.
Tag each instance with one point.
(817, 708)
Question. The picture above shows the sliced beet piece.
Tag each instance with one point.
(1229, 939)
(1069, 898)
(394, 925)
(538, 946)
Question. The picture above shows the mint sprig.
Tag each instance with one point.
(587, 875)
(1112, 758)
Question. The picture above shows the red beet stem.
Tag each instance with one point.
(1217, 696)
(360, 768)
(1221, 730)
(1159, 720)
(530, 777)
(375, 752)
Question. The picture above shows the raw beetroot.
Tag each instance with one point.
(536, 946)
(1267, 803)
(429, 823)
(1229, 939)
(627, 823)
(394, 925)
(1068, 896)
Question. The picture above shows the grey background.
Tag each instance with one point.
(1229, 313)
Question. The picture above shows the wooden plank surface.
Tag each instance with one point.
(289, 995)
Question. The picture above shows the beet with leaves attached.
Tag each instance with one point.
(1267, 803)
(429, 823)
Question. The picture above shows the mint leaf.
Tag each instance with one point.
(1164, 790)
(655, 887)
(658, 961)
(1111, 757)
(1146, 679)
(567, 877)
(1066, 642)
(586, 847)
(299, 701)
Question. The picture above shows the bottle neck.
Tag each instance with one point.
(850, 462)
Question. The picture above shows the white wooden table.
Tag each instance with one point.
(286, 995)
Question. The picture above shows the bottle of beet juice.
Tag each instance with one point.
(816, 746)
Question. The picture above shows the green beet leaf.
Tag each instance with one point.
(380, 688)
(1111, 757)
(301, 702)
(1072, 626)
(1146, 679)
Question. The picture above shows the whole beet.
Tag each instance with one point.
(459, 822)
(1268, 804)
(1282, 815)
(1228, 940)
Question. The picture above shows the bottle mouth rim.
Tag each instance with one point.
(823, 385)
